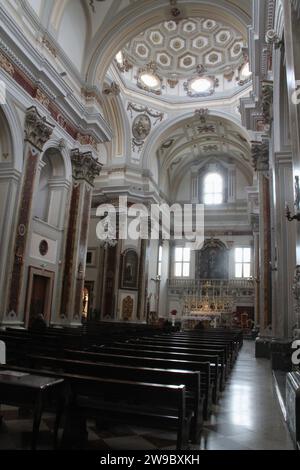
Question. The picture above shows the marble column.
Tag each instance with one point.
(37, 132)
(110, 281)
(85, 169)
(256, 270)
(260, 157)
(284, 320)
(9, 188)
(292, 64)
(143, 280)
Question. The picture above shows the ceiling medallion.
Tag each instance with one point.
(149, 80)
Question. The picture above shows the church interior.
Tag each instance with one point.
(151, 343)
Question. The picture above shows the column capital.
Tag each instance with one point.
(85, 166)
(260, 155)
(37, 130)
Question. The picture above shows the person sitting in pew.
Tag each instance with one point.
(38, 323)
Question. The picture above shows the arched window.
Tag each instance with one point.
(213, 189)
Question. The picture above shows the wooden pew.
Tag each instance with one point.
(215, 351)
(200, 356)
(191, 379)
(130, 402)
(231, 344)
(137, 361)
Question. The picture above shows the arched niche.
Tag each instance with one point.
(52, 189)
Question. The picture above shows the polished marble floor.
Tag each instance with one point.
(247, 417)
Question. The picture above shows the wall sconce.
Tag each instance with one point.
(289, 216)
(297, 203)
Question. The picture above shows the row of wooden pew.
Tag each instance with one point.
(165, 380)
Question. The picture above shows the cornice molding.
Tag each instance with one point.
(40, 73)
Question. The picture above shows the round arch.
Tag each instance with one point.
(13, 132)
(132, 21)
(58, 145)
(161, 133)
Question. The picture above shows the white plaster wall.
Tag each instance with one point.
(72, 32)
(35, 5)
(241, 184)
(240, 241)
(51, 256)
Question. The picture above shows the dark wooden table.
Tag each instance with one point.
(34, 391)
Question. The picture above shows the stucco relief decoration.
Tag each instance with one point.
(260, 156)
(273, 38)
(111, 90)
(85, 139)
(141, 127)
(202, 114)
(37, 130)
(143, 122)
(42, 98)
(6, 65)
(267, 102)
(85, 166)
(47, 43)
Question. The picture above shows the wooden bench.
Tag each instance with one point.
(130, 402)
(137, 361)
(214, 360)
(182, 349)
(191, 379)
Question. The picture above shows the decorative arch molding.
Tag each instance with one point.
(160, 133)
(115, 114)
(60, 146)
(279, 19)
(182, 170)
(127, 24)
(15, 133)
(58, 11)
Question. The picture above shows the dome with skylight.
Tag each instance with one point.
(189, 58)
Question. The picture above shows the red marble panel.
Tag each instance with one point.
(82, 250)
(69, 252)
(24, 217)
(267, 252)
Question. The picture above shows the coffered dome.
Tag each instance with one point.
(192, 57)
(178, 48)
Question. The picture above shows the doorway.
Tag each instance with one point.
(39, 294)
